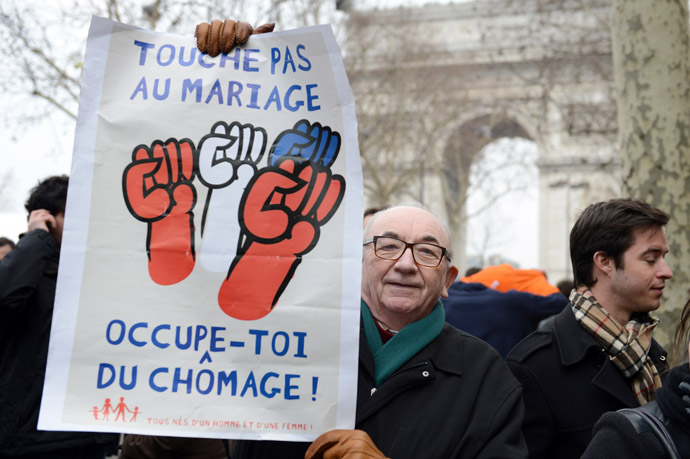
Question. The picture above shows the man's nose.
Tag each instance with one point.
(665, 271)
(406, 260)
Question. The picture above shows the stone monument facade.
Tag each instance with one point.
(435, 84)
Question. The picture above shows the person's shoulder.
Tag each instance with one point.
(460, 286)
(33, 245)
(460, 336)
(459, 291)
(470, 355)
(37, 237)
(536, 342)
(561, 342)
(468, 344)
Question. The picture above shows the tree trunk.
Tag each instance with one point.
(651, 55)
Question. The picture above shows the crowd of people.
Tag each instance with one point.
(447, 368)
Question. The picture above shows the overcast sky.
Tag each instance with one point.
(43, 150)
(40, 150)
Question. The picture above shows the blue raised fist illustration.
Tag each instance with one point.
(311, 142)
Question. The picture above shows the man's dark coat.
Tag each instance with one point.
(616, 438)
(454, 399)
(568, 383)
(28, 276)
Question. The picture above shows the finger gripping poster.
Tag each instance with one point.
(210, 265)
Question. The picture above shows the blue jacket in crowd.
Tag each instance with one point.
(501, 319)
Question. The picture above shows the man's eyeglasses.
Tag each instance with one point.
(423, 253)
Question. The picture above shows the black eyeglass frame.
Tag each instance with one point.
(410, 245)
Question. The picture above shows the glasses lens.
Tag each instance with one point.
(424, 254)
(427, 254)
(388, 247)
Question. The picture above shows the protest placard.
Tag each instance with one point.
(210, 267)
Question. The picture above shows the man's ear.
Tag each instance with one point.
(451, 275)
(603, 262)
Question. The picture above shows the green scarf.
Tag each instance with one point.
(404, 345)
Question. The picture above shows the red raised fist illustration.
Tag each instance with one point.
(281, 214)
(158, 190)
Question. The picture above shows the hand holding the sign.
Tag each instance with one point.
(222, 36)
(158, 190)
(344, 444)
(228, 159)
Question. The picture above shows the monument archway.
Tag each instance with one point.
(482, 70)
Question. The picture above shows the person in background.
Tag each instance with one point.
(6, 245)
(28, 276)
(501, 319)
(472, 270)
(565, 286)
(505, 277)
(370, 212)
(598, 354)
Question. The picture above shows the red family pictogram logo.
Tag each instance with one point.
(121, 411)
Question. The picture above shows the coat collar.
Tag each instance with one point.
(445, 355)
(441, 355)
(576, 345)
(442, 352)
(573, 341)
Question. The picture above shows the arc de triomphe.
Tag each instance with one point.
(535, 69)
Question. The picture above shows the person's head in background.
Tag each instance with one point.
(472, 270)
(46, 205)
(370, 212)
(565, 286)
(6, 246)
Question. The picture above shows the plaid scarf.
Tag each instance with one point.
(627, 346)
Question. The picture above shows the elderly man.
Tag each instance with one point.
(425, 389)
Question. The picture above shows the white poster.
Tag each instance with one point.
(210, 267)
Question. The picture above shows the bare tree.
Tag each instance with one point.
(416, 140)
(46, 57)
(43, 57)
(652, 62)
(388, 125)
(574, 39)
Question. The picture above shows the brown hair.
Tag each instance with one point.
(607, 227)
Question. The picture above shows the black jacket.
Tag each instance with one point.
(28, 276)
(454, 399)
(615, 437)
(568, 383)
(501, 319)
